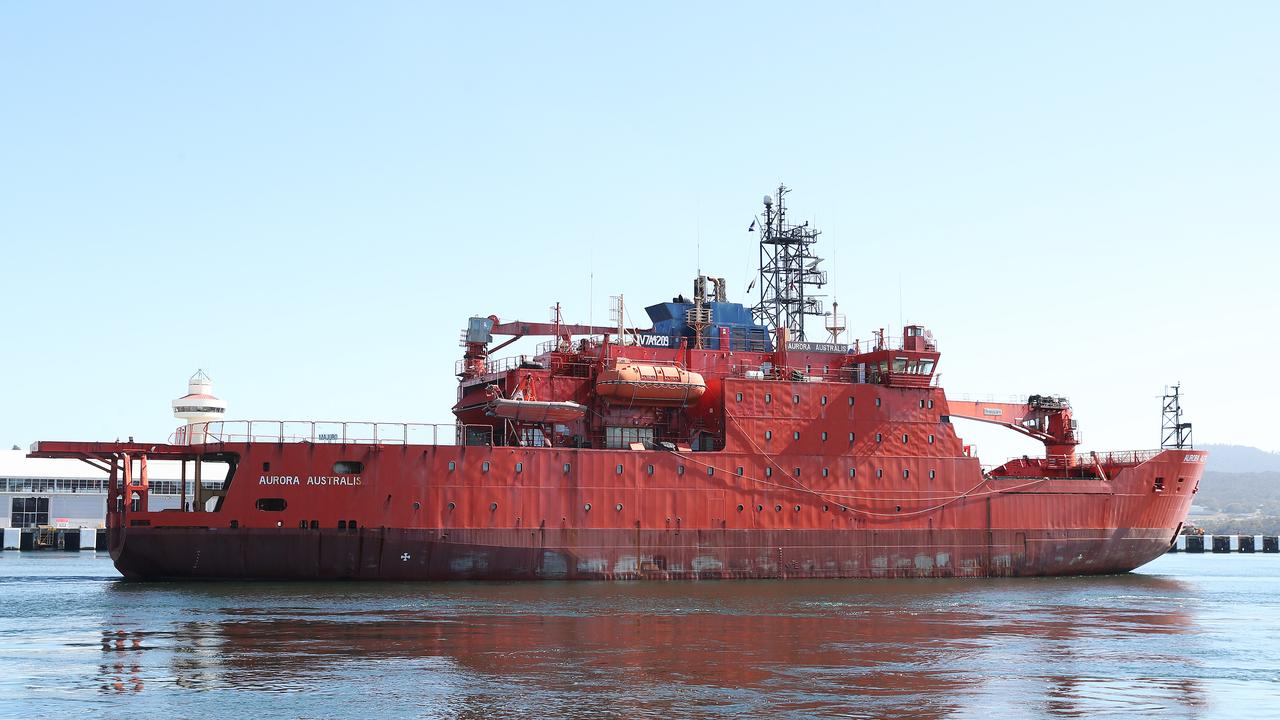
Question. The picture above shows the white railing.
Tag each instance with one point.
(331, 431)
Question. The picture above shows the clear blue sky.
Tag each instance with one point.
(308, 200)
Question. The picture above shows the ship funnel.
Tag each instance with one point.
(198, 406)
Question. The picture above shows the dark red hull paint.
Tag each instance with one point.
(393, 554)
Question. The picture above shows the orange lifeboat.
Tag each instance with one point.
(646, 384)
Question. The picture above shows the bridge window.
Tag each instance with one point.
(933, 474)
(740, 471)
(484, 466)
(930, 439)
(452, 466)
(738, 397)
(711, 471)
(877, 402)
(850, 401)
(826, 472)
(270, 504)
(850, 437)
(679, 469)
(824, 435)
(930, 404)
(879, 437)
(797, 472)
(853, 472)
(621, 438)
(824, 400)
(617, 469)
(768, 472)
(795, 435)
(519, 467)
(879, 472)
(567, 467)
(768, 434)
(904, 438)
(649, 469)
(768, 397)
(906, 474)
(795, 399)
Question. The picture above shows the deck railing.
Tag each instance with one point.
(335, 431)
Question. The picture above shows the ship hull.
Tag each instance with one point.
(617, 554)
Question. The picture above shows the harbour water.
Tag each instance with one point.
(1185, 637)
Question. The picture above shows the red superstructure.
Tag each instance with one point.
(715, 444)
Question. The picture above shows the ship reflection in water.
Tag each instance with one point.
(921, 649)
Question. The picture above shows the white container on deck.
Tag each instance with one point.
(88, 538)
(13, 538)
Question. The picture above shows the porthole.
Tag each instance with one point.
(768, 397)
(618, 507)
(933, 474)
(519, 467)
(826, 472)
(452, 506)
(348, 467)
(797, 508)
(898, 508)
(452, 466)
(759, 508)
(484, 467)
(825, 508)
(740, 508)
(587, 507)
(738, 397)
(777, 508)
(493, 506)
(417, 505)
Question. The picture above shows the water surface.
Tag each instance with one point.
(1185, 637)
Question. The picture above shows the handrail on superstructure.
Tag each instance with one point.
(330, 431)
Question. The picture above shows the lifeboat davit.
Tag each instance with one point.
(648, 384)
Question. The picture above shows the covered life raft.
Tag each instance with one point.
(649, 384)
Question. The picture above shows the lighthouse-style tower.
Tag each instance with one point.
(198, 406)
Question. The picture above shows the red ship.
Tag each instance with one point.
(717, 443)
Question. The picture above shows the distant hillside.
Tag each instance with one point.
(1239, 503)
(1240, 459)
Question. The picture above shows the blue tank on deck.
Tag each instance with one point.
(669, 320)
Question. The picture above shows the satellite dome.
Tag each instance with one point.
(768, 201)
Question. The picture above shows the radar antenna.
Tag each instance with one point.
(788, 268)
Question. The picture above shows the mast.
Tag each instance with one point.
(788, 268)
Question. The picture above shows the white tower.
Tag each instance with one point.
(198, 406)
